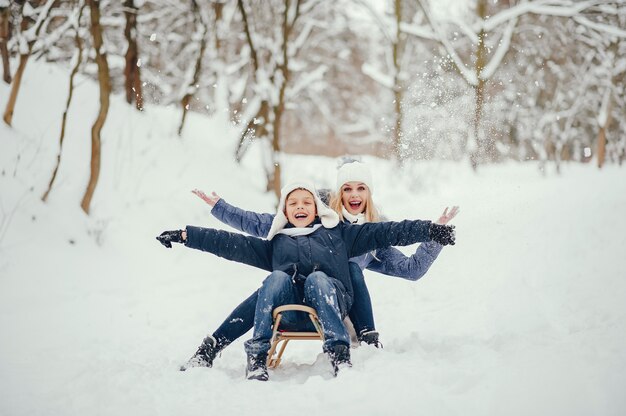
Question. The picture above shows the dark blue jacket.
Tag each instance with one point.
(326, 249)
(389, 260)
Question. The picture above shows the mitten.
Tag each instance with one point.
(168, 237)
(442, 234)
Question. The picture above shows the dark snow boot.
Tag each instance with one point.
(370, 338)
(339, 356)
(205, 355)
(257, 367)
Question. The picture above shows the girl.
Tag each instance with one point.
(307, 251)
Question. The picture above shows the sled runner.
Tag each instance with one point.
(279, 336)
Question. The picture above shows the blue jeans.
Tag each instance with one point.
(318, 291)
(241, 319)
(361, 313)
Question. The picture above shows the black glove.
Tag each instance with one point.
(168, 237)
(442, 234)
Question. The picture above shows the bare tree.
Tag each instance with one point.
(75, 19)
(397, 68)
(200, 35)
(36, 18)
(270, 78)
(105, 91)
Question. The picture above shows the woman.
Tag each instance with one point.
(353, 202)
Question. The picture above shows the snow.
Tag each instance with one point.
(525, 315)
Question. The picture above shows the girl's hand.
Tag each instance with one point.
(168, 237)
(211, 200)
(446, 217)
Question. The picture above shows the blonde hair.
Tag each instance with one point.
(371, 212)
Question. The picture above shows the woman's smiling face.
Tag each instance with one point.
(300, 208)
(354, 196)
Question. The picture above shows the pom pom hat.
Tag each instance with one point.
(354, 172)
(328, 217)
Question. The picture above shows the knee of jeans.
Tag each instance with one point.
(317, 280)
(276, 279)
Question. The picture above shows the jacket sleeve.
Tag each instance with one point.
(231, 246)
(393, 262)
(360, 239)
(249, 222)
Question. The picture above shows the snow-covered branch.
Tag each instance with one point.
(601, 27)
(306, 80)
(562, 8)
(380, 20)
(503, 47)
(418, 31)
(385, 80)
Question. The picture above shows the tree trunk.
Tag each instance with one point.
(186, 100)
(17, 80)
(4, 38)
(259, 123)
(105, 90)
(274, 177)
(132, 70)
(218, 9)
(79, 58)
(602, 134)
(397, 87)
(15, 87)
(279, 108)
(485, 145)
(274, 182)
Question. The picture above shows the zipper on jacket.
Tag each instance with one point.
(295, 273)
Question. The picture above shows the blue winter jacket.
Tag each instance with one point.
(325, 249)
(389, 260)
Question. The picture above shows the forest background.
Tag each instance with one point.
(480, 81)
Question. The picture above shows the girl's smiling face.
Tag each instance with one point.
(354, 196)
(300, 208)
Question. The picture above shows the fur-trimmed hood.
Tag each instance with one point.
(328, 217)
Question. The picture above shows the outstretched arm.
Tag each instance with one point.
(360, 239)
(236, 247)
(249, 222)
(231, 246)
(393, 262)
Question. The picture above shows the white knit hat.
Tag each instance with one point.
(328, 217)
(354, 172)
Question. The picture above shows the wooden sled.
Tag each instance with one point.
(279, 336)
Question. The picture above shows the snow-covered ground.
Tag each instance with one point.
(525, 315)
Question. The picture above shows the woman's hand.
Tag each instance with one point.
(446, 217)
(211, 200)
